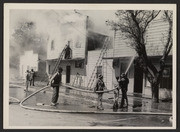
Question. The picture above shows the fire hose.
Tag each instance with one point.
(73, 111)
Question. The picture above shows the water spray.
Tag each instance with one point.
(132, 59)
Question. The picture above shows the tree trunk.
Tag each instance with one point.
(155, 92)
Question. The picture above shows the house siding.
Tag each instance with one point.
(121, 47)
(92, 59)
(155, 39)
(73, 31)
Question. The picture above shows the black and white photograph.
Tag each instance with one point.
(89, 66)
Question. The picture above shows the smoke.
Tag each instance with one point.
(33, 29)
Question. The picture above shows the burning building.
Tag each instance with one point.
(85, 45)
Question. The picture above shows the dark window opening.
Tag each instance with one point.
(96, 41)
(79, 64)
(166, 81)
(99, 71)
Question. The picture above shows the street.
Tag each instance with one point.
(24, 117)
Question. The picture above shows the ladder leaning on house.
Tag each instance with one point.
(59, 60)
(98, 62)
(57, 63)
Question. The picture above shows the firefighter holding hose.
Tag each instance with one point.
(123, 84)
(55, 84)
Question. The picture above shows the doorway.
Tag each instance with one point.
(99, 71)
(68, 74)
(138, 79)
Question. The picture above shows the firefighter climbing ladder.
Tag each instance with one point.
(58, 62)
(98, 62)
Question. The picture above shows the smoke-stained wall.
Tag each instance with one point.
(72, 28)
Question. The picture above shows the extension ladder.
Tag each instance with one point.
(98, 62)
(57, 63)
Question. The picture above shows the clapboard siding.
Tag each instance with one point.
(121, 46)
(75, 33)
(109, 53)
(108, 73)
(155, 38)
(92, 59)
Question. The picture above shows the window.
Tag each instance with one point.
(79, 64)
(52, 45)
(78, 43)
(166, 81)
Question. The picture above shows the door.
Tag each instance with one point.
(68, 74)
(166, 81)
(138, 79)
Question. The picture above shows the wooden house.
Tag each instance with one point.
(120, 58)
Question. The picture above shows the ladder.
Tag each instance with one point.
(57, 63)
(98, 62)
(77, 78)
(59, 60)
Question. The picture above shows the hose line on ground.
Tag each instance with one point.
(85, 112)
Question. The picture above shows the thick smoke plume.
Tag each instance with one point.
(32, 29)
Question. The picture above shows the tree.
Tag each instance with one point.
(134, 24)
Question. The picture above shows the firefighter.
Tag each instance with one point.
(55, 84)
(68, 52)
(123, 84)
(32, 76)
(100, 86)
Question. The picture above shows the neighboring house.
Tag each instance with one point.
(123, 54)
(30, 61)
